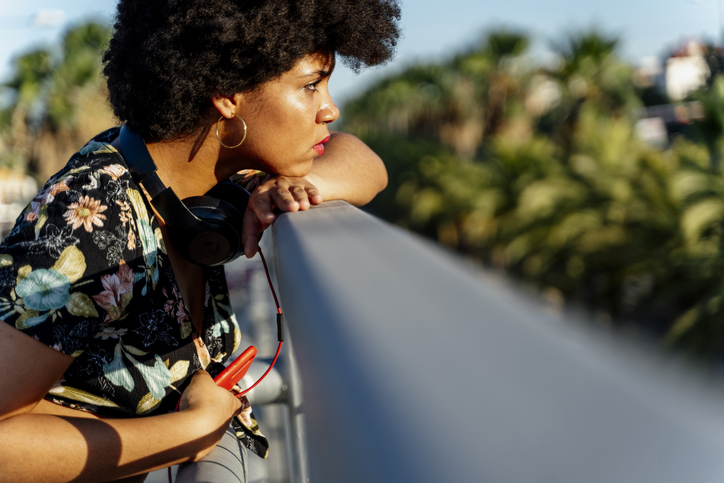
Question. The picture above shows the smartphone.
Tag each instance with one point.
(236, 370)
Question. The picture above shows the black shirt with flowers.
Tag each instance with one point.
(85, 271)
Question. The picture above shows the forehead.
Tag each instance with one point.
(315, 63)
(309, 68)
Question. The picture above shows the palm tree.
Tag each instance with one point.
(457, 102)
(80, 67)
(58, 103)
(28, 85)
(590, 73)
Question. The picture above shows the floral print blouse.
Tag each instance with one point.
(85, 271)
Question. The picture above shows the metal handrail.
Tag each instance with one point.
(414, 367)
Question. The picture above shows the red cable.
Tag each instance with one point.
(279, 348)
(268, 279)
(279, 311)
(276, 356)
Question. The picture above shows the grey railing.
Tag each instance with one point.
(414, 367)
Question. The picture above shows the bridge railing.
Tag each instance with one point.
(410, 366)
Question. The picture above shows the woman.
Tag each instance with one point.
(105, 320)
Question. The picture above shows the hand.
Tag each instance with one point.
(216, 403)
(277, 194)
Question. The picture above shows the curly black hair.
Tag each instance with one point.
(168, 57)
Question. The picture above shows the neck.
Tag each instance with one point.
(192, 166)
(187, 165)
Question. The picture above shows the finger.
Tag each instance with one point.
(250, 234)
(251, 230)
(284, 200)
(300, 194)
(239, 407)
(261, 204)
(315, 197)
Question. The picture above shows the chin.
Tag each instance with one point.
(298, 171)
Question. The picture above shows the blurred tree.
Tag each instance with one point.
(710, 129)
(29, 83)
(457, 103)
(714, 57)
(590, 73)
(57, 103)
(538, 172)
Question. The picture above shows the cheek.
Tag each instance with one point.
(274, 127)
(294, 114)
(281, 156)
(281, 133)
(291, 134)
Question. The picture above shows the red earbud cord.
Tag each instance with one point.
(280, 328)
(280, 337)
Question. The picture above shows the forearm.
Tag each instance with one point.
(348, 170)
(49, 448)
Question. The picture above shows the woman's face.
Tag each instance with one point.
(287, 118)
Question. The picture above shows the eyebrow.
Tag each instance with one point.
(319, 73)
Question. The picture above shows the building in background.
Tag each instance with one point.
(686, 70)
(674, 79)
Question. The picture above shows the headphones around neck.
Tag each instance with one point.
(206, 229)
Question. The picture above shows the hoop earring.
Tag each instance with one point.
(219, 137)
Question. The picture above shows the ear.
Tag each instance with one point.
(227, 106)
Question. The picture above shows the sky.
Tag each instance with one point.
(432, 29)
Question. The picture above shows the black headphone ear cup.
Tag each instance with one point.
(231, 193)
(216, 239)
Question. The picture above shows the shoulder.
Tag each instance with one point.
(80, 195)
(98, 161)
(70, 238)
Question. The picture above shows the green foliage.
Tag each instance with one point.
(48, 83)
(553, 186)
(49, 96)
(81, 65)
(31, 72)
(711, 129)
(458, 103)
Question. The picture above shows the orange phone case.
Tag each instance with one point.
(236, 370)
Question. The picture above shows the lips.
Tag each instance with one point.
(319, 147)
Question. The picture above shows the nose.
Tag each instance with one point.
(328, 112)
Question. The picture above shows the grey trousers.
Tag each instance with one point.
(227, 463)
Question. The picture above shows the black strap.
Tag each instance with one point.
(138, 158)
(143, 171)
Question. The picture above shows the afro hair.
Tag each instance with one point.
(167, 58)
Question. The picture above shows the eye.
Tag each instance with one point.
(312, 87)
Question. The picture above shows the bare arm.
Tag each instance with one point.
(46, 447)
(348, 170)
